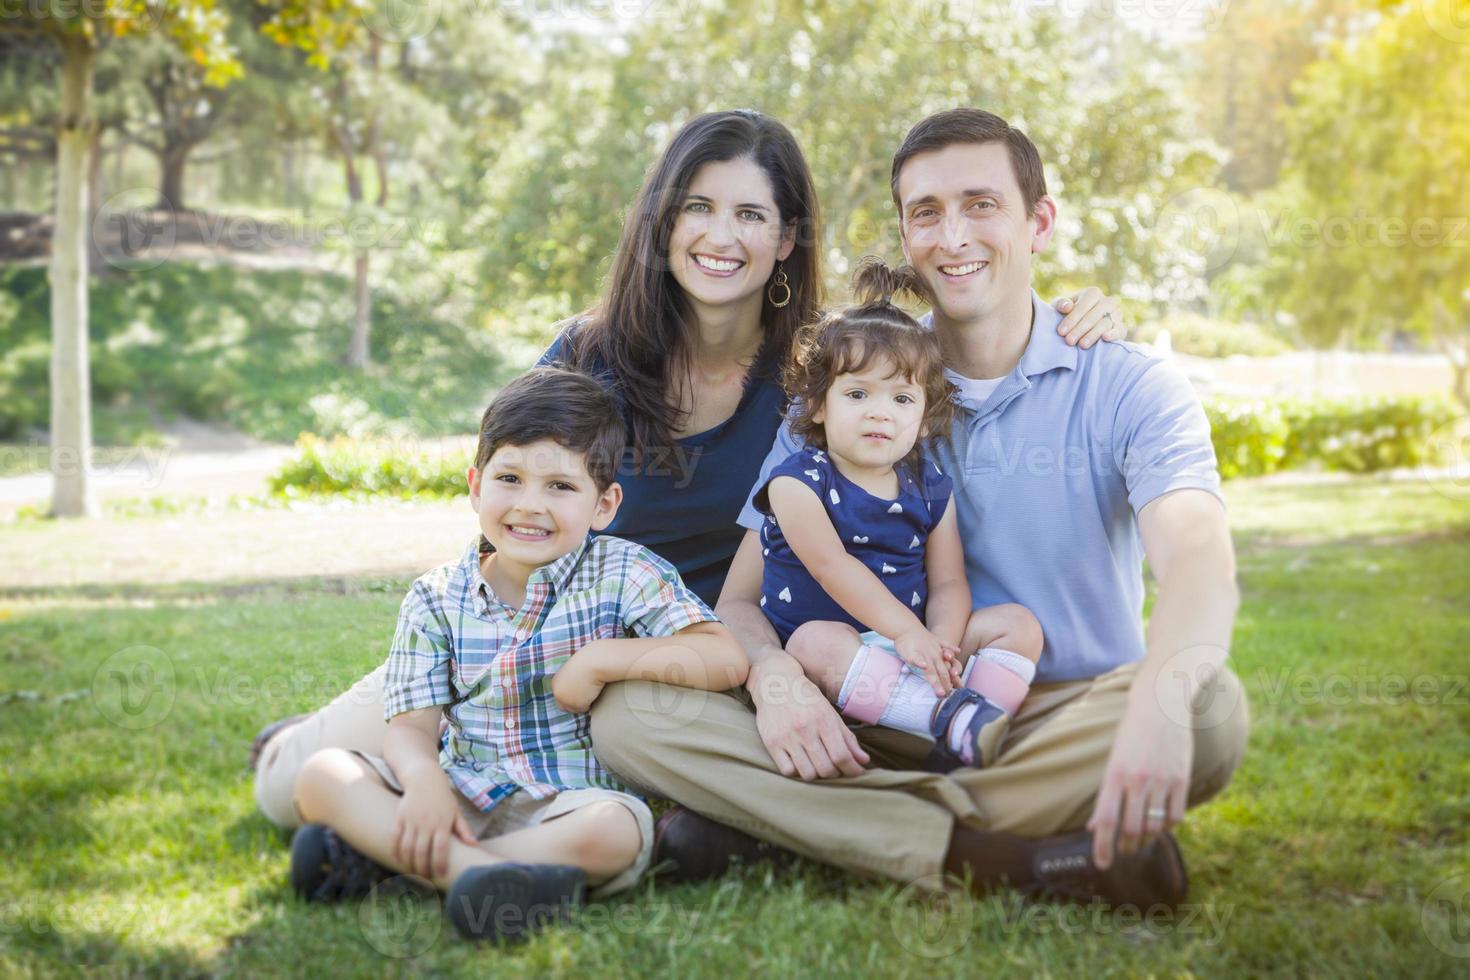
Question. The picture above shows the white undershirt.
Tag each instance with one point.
(975, 389)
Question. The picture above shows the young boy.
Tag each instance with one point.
(509, 811)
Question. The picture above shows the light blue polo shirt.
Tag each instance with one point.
(1050, 472)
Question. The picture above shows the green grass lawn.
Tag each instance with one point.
(134, 845)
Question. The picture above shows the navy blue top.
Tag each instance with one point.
(683, 506)
(888, 536)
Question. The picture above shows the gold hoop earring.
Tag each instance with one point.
(779, 283)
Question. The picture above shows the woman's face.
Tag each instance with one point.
(728, 235)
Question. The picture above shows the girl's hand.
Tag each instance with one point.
(924, 651)
(1091, 315)
(428, 815)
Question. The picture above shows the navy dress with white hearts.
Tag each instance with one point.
(888, 536)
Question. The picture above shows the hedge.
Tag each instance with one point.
(1252, 438)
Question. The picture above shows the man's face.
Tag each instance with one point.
(966, 228)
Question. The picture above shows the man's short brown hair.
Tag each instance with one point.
(565, 406)
(965, 125)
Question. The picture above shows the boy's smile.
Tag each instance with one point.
(536, 503)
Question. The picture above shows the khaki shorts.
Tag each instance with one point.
(521, 810)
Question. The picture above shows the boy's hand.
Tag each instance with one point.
(427, 815)
(578, 684)
(924, 651)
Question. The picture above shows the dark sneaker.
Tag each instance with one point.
(257, 744)
(1152, 876)
(699, 849)
(983, 731)
(506, 903)
(325, 868)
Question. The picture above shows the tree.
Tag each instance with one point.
(196, 27)
(1371, 234)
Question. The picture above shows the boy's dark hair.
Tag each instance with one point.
(555, 403)
(848, 340)
(965, 125)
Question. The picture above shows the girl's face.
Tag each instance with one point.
(728, 235)
(872, 417)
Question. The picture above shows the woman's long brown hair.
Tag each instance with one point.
(642, 328)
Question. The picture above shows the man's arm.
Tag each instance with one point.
(804, 734)
(1187, 541)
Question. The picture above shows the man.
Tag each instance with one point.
(1069, 467)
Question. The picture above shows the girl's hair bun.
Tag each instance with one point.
(875, 283)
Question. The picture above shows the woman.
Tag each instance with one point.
(717, 266)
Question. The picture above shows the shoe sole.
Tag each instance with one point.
(506, 903)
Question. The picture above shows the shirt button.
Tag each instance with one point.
(510, 723)
(507, 682)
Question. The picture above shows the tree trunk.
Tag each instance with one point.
(357, 350)
(171, 191)
(71, 408)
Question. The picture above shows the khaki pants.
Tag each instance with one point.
(354, 720)
(703, 750)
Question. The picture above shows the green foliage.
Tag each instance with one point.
(1249, 437)
(372, 468)
(1191, 333)
(257, 349)
(1362, 435)
(1368, 226)
(1254, 438)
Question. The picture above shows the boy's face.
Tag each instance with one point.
(872, 417)
(966, 229)
(537, 502)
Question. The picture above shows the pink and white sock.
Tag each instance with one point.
(879, 691)
(1001, 677)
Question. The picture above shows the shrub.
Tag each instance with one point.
(374, 467)
(1361, 435)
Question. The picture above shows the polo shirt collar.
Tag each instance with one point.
(1046, 350)
(556, 574)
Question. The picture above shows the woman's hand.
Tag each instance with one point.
(1091, 315)
(428, 815)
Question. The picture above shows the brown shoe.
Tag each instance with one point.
(697, 848)
(1154, 875)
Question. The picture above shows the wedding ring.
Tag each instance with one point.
(1157, 814)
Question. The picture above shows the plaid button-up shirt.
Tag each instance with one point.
(490, 667)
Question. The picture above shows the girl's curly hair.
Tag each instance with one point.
(848, 340)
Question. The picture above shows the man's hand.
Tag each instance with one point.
(804, 734)
(578, 683)
(428, 815)
(926, 652)
(1146, 784)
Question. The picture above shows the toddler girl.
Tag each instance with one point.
(864, 575)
